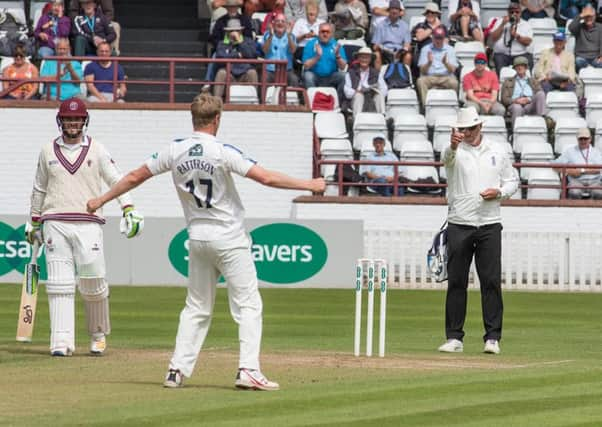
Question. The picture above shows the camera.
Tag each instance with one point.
(513, 20)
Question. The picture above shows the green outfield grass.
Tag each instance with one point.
(549, 372)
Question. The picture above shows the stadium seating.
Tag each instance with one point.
(593, 110)
(240, 94)
(529, 129)
(330, 125)
(311, 92)
(592, 80)
(272, 93)
(409, 126)
(543, 176)
(440, 102)
(16, 9)
(494, 128)
(334, 149)
(539, 152)
(366, 126)
(565, 132)
(402, 101)
(442, 132)
(543, 30)
(367, 146)
(466, 51)
(562, 104)
(416, 150)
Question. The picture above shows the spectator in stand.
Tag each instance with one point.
(398, 74)
(323, 57)
(423, 30)
(511, 37)
(70, 72)
(252, 6)
(537, 9)
(588, 39)
(555, 69)
(280, 43)
(364, 82)
(583, 153)
(570, 9)
(481, 87)
(104, 69)
(392, 34)
(438, 64)
(464, 20)
(218, 9)
(307, 27)
(350, 19)
(90, 29)
(20, 69)
(297, 9)
(219, 29)
(51, 26)
(381, 174)
(104, 7)
(379, 11)
(522, 95)
(235, 46)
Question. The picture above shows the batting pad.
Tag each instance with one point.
(61, 279)
(95, 293)
(62, 321)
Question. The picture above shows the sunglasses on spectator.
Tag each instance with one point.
(471, 128)
(480, 61)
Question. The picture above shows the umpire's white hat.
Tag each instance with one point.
(467, 117)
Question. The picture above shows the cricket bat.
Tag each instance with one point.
(29, 297)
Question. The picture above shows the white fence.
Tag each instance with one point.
(530, 261)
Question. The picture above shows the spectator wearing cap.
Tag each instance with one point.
(522, 95)
(280, 43)
(364, 83)
(537, 9)
(438, 64)
(570, 9)
(423, 31)
(51, 26)
(90, 28)
(555, 69)
(588, 39)
(350, 19)
(323, 57)
(481, 87)
(583, 153)
(235, 46)
(511, 37)
(464, 20)
(392, 34)
(381, 174)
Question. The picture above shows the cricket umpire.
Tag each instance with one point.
(479, 176)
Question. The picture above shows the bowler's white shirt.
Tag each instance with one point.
(201, 168)
(470, 170)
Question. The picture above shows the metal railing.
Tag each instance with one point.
(280, 77)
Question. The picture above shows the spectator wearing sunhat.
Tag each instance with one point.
(235, 46)
(588, 39)
(521, 94)
(392, 34)
(481, 87)
(555, 69)
(363, 83)
(423, 31)
(511, 37)
(232, 11)
(479, 177)
(438, 64)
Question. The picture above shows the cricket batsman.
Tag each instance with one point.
(71, 169)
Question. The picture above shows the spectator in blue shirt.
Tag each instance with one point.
(102, 70)
(438, 64)
(381, 174)
(322, 59)
(280, 43)
(392, 34)
(70, 70)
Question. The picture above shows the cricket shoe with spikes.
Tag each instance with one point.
(253, 379)
(98, 344)
(173, 379)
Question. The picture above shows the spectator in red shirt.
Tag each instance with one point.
(481, 87)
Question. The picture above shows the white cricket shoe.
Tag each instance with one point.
(253, 379)
(98, 344)
(62, 352)
(492, 347)
(452, 346)
(173, 379)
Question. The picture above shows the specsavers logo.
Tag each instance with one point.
(15, 252)
(283, 252)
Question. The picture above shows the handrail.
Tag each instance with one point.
(280, 80)
(563, 186)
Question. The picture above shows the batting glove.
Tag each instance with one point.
(33, 232)
(132, 222)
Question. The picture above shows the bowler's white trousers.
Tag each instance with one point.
(207, 259)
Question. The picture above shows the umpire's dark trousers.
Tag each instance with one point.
(485, 243)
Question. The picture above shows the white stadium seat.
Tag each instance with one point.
(562, 104)
(311, 92)
(440, 102)
(442, 132)
(402, 101)
(539, 152)
(592, 80)
(408, 126)
(543, 176)
(330, 125)
(240, 94)
(593, 109)
(366, 126)
(529, 129)
(466, 51)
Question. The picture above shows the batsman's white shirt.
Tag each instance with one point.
(201, 168)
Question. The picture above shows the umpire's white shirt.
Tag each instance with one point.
(201, 169)
(470, 170)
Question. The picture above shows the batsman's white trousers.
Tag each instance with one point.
(207, 259)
